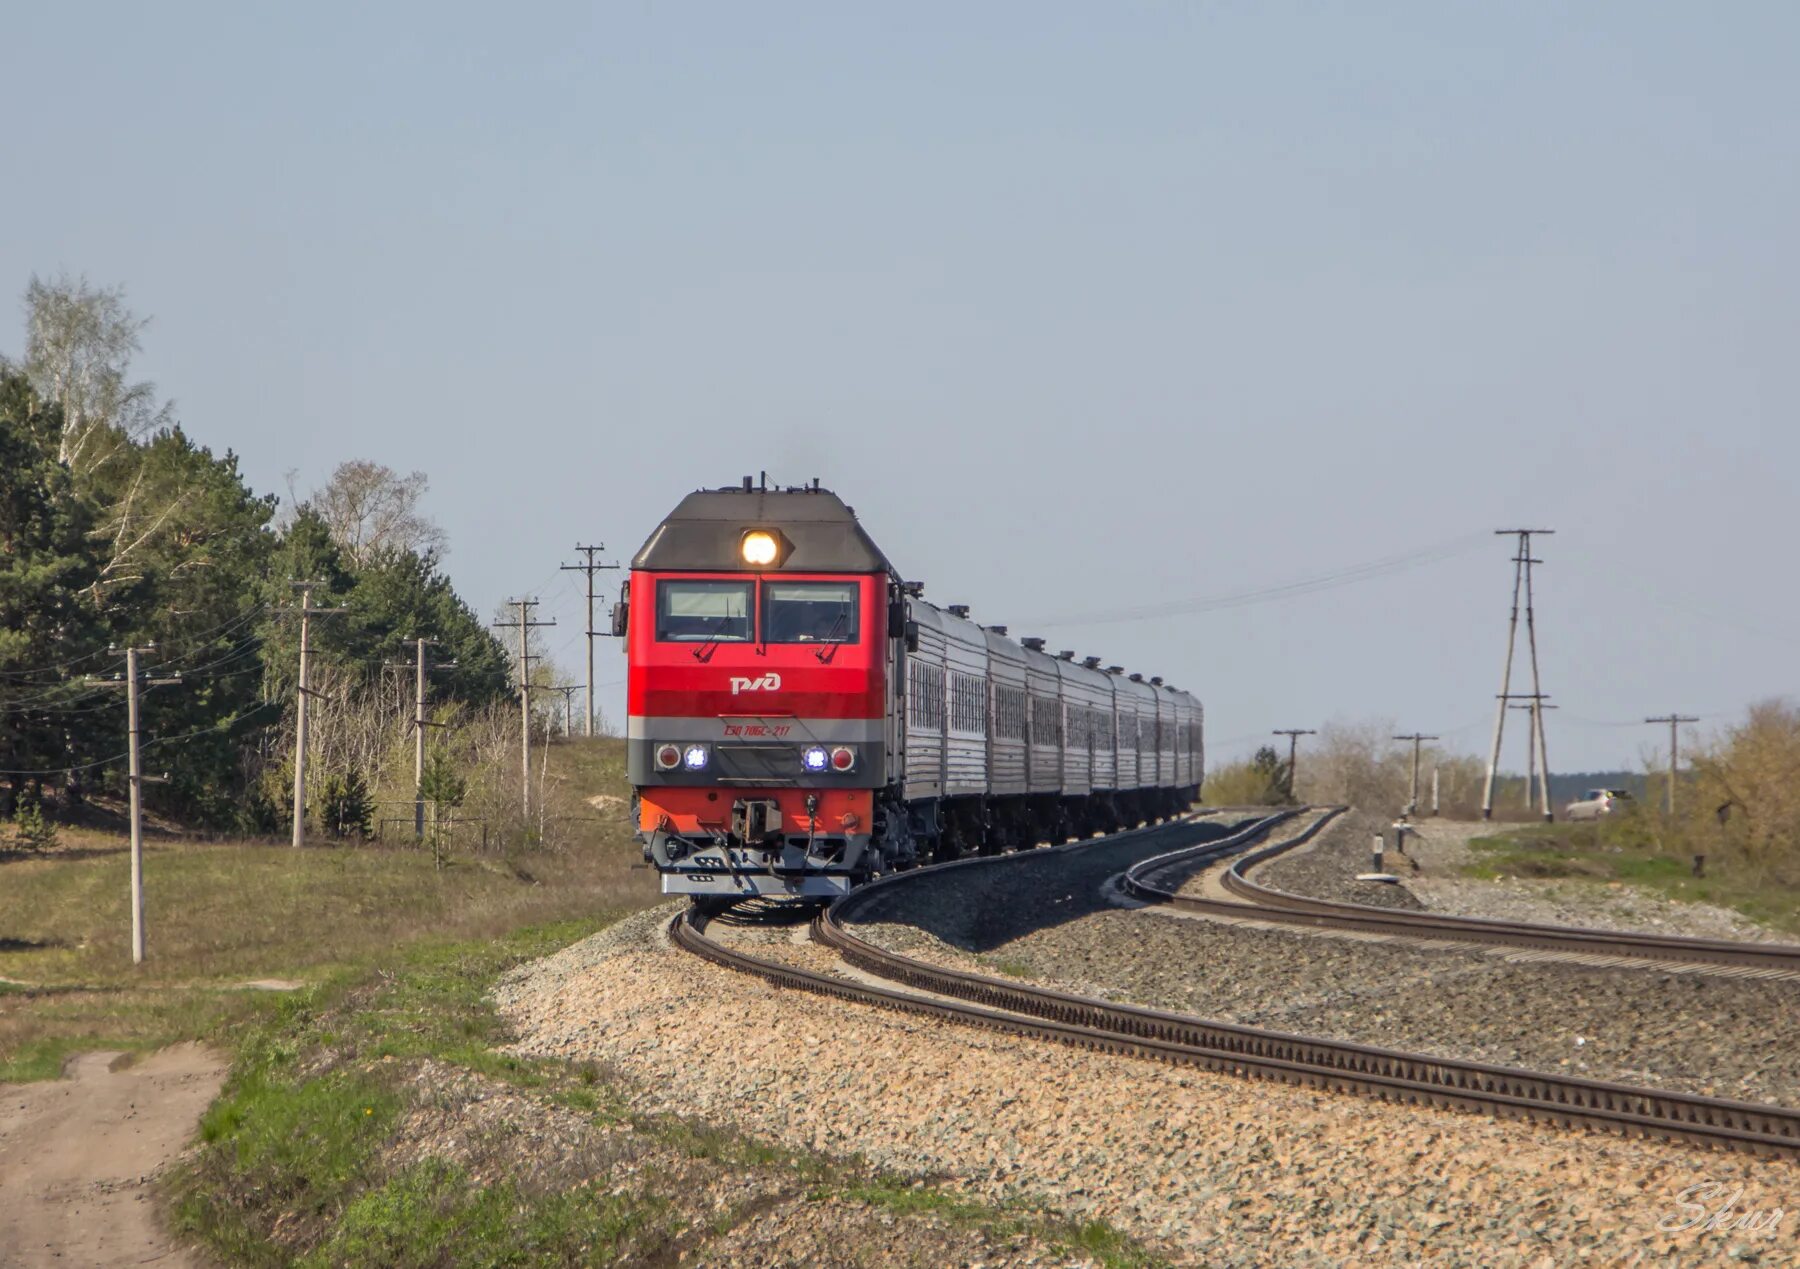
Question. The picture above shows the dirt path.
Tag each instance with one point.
(76, 1156)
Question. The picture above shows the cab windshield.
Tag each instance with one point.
(809, 612)
(703, 612)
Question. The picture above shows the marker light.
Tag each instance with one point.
(843, 758)
(668, 757)
(813, 758)
(695, 757)
(759, 548)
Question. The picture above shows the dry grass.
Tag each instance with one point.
(219, 916)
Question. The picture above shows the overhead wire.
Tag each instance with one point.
(1368, 570)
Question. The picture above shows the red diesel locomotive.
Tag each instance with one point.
(800, 719)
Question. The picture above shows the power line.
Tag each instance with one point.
(1367, 571)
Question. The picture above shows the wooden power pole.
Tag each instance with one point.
(525, 625)
(1674, 721)
(1293, 734)
(590, 568)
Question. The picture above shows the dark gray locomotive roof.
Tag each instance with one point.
(704, 533)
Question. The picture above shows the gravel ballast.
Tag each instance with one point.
(1695, 1032)
(1213, 1169)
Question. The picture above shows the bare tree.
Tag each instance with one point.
(78, 347)
(372, 511)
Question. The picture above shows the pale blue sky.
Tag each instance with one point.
(1083, 306)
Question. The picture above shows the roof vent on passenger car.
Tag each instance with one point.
(915, 589)
(1067, 654)
(1137, 678)
(1034, 643)
(958, 610)
(1115, 669)
(1092, 663)
(999, 630)
(1156, 680)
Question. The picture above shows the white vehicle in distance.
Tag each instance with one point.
(1597, 804)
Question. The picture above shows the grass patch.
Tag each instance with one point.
(1096, 1239)
(1608, 852)
(220, 915)
(297, 1162)
(434, 1214)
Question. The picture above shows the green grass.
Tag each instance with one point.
(1610, 853)
(1097, 1239)
(220, 915)
(291, 1166)
(433, 1214)
(395, 959)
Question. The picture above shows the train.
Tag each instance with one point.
(800, 718)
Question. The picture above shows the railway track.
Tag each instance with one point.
(1020, 1009)
(1144, 880)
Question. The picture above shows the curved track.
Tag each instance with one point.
(1020, 1009)
(1143, 881)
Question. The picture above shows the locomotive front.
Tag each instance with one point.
(758, 736)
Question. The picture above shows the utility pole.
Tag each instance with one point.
(1418, 739)
(134, 681)
(568, 691)
(590, 568)
(1535, 778)
(1674, 721)
(420, 669)
(524, 625)
(1522, 564)
(1293, 734)
(306, 612)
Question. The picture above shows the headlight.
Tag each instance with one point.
(813, 758)
(760, 548)
(668, 757)
(843, 758)
(695, 758)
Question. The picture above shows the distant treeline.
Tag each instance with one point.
(117, 529)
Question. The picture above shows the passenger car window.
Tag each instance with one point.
(698, 612)
(809, 612)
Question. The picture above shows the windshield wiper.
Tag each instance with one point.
(832, 641)
(705, 650)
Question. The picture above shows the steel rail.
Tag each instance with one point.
(1265, 903)
(1105, 1026)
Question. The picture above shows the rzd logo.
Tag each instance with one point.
(767, 683)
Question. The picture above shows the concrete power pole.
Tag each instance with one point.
(1674, 721)
(568, 690)
(525, 625)
(1418, 739)
(420, 669)
(134, 681)
(1293, 734)
(1522, 564)
(590, 568)
(306, 613)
